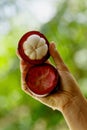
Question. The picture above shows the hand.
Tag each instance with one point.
(68, 89)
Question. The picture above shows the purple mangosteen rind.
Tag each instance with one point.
(21, 50)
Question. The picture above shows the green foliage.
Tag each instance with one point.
(68, 28)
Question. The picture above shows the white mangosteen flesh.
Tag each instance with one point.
(35, 47)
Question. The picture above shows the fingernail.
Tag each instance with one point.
(53, 45)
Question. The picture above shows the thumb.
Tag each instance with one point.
(57, 58)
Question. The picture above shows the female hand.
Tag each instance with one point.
(68, 89)
(68, 99)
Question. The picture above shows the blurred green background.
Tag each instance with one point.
(62, 21)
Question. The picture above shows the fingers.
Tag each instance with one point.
(57, 58)
(24, 67)
(23, 64)
(18, 55)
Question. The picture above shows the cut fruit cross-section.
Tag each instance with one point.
(42, 79)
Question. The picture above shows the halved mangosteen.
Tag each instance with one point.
(33, 47)
(42, 79)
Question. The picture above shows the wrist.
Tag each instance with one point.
(75, 112)
(75, 103)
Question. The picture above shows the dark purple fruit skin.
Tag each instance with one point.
(21, 50)
(49, 90)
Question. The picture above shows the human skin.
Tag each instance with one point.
(68, 99)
